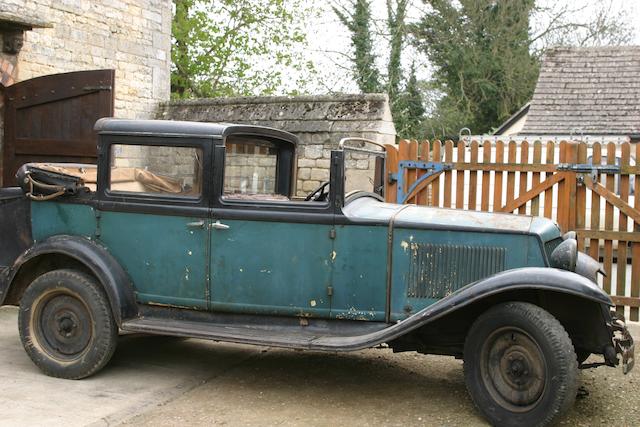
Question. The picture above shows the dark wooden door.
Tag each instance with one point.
(51, 118)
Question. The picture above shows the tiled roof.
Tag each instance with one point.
(587, 91)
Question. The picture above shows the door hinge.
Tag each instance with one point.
(330, 291)
(332, 233)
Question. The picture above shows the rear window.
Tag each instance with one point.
(156, 170)
(250, 167)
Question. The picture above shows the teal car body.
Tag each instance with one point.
(191, 227)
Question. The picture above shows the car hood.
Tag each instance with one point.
(369, 210)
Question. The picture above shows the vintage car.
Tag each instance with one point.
(190, 229)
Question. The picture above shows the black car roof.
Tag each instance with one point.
(110, 125)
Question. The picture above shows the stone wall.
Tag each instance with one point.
(131, 36)
(319, 121)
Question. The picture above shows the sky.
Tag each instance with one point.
(329, 44)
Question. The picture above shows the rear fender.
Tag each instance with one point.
(92, 257)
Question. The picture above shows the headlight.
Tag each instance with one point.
(565, 255)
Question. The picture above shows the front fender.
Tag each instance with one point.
(528, 278)
(97, 259)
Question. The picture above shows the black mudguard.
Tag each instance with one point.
(97, 259)
(529, 278)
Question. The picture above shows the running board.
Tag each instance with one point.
(296, 333)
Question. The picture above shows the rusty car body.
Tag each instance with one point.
(191, 229)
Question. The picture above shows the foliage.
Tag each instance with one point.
(406, 102)
(358, 21)
(486, 53)
(235, 47)
(483, 65)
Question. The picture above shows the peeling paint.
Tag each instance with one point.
(404, 245)
(190, 253)
(312, 303)
(333, 255)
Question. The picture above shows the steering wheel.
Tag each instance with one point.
(319, 194)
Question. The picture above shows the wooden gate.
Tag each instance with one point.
(589, 188)
(51, 118)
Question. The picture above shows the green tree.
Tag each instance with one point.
(357, 19)
(483, 65)
(235, 47)
(405, 96)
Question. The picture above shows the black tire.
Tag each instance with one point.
(520, 366)
(66, 325)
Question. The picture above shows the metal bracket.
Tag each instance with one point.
(432, 168)
(591, 169)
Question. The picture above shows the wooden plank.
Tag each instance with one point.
(511, 176)
(535, 177)
(571, 184)
(524, 176)
(504, 167)
(498, 177)
(528, 195)
(581, 196)
(608, 217)
(435, 187)
(594, 244)
(561, 205)
(391, 188)
(548, 194)
(412, 174)
(621, 270)
(486, 176)
(460, 177)
(634, 313)
(627, 236)
(613, 199)
(424, 184)
(628, 301)
(473, 178)
(422, 197)
(448, 175)
(403, 154)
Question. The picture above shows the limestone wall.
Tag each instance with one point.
(131, 36)
(319, 121)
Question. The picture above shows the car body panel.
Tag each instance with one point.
(264, 267)
(165, 257)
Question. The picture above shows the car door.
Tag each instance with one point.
(269, 255)
(154, 217)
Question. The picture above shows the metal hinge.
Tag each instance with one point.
(332, 233)
(96, 88)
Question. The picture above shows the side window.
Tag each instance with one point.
(250, 169)
(156, 170)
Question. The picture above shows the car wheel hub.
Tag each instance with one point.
(64, 325)
(513, 369)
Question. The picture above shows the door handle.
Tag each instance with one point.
(196, 224)
(219, 226)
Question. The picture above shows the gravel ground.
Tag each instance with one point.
(372, 387)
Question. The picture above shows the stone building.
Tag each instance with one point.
(587, 93)
(132, 37)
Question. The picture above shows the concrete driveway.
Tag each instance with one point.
(163, 381)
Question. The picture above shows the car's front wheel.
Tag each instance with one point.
(66, 325)
(520, 365)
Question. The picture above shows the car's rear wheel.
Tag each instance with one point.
(66, 325)
(520, 366)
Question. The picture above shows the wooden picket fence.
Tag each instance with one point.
(589, 188)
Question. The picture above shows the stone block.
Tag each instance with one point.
(304, 173)
(320, 174)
